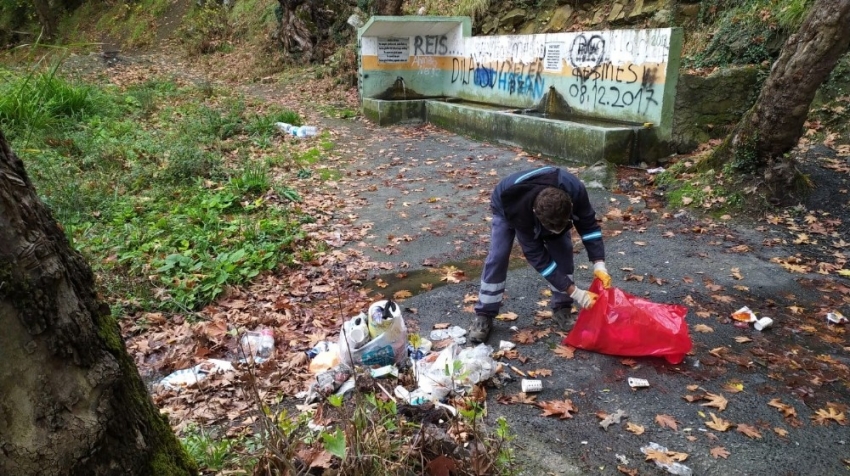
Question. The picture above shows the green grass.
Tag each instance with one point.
(160, 186)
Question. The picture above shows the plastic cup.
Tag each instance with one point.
(529, 386)
(763, 323)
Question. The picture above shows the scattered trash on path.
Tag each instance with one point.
(297, 131)
(674, 467)
(656, 170)
(531, 386)
(638, 382)
(836, 318)
(763, 323)
(612, 419)
(190, 377)
(257, 346)
(456, 333)
(744, 315)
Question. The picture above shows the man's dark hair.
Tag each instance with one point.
(554, 209)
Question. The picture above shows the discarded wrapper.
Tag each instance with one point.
(638, 382)
(384, 371)
(529, 386)
(506, 345)
(836, 318)
(744, 315)
(763, 323)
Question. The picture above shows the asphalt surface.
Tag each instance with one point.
(424, 192)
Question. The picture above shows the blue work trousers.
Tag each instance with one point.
(495, 272)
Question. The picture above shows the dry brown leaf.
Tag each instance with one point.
(743, 339)
(715, 400)
(403, 294)
(787, 410)
(824, 416)
(734, 386)
(558, 408)
(692, 387)
(719, 452)
(718, 423)
(566, 352)
(628, 471)
(525, 336)
(780, 431)
(628, 362)
(667, 421)
(452, 274)
(736, 273)
(635, 428)
(722, 298)
(507, 316)
(703, 328)
(540, 373)
(748, 430)
(441, 466)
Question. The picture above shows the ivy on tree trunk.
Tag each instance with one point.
(73, 401)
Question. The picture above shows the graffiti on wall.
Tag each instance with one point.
(602, 84)
(513, 77)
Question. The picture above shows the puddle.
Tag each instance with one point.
(422, 280)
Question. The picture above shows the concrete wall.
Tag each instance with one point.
(620, 75)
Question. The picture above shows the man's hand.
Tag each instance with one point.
(584, 299)
(601, 272)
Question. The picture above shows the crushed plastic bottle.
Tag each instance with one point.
(283, 127)
(258, 346)
(673, 468)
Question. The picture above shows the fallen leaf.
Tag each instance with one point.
(635, 428)
(748, 430)
(666, 421)
(625, 470)
(714, 400)
(559, 408)
(566, 352)
(824, 416)
(640, 243)
(719, 452)
(787, 410)
(399, 295)
(687, 200)
(507, 316)
(629, 362)
(736, 273)
(692, 387)
(452, 274)
(781, 431)
(703, 328)
(441, 466)
(442, 325)
(540, 373)
(734, 386)
(743, 339)
(718, 423)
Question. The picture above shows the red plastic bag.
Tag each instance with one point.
(626, 325)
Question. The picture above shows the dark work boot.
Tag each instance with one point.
(564, 318)
(479, 330)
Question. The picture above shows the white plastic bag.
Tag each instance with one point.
(386, 349)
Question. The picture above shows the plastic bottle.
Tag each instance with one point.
(310, 131)
(259, 345)
(358, 335)
(283, 127)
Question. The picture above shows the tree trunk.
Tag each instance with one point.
(73, 402)
(46, 16)
(294, 32)
(775, 122)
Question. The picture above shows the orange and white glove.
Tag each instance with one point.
(584, 299)
(599, 271)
